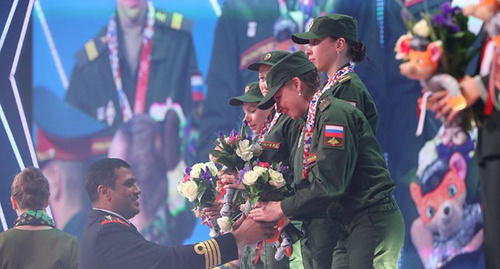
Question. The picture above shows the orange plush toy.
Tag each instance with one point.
(423, 64)
(447, 225)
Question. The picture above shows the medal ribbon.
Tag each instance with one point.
(144, 65)
(268, 126)
(308, 128)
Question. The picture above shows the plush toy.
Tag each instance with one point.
(423, 64)
(483, 11)
(447, 226)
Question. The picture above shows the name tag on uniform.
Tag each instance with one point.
(311, 158)
(270, 145)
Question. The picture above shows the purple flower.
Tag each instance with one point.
(242, 173)
(220, 135)
(233, 133)
(445, 19)
(205, 174)
(405, 15)
(283, 169)
(187, 170)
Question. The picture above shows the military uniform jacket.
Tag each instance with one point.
(279, 143)
(351, 89)
(347, 167)
(111, 242)
(173, 60)
(489, 135)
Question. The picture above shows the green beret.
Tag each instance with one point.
(334, 25)
(252, 95)
(287, 68)
(268, 58)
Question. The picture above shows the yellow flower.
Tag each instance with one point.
(421, 28)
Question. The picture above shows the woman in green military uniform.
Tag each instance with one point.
(333, 45)
(339, 169)
(277, 138)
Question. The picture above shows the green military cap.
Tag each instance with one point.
(268, 58)
(287, 68)
(334, 25)
(252, 95)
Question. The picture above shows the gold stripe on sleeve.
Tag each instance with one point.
(201, 249)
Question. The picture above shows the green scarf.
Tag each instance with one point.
(34, 217)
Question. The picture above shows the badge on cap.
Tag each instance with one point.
(110, 113)
(333, 136)
(311, 23)
(247, 89)
(267, 57)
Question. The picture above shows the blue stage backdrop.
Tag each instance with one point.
(52, 41)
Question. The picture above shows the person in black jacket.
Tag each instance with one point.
(111, 241)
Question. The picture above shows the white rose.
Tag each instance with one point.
(244, 150)
(260, 170)
(421, 28)
(277, 179)
(225, 224)
(180, 188)
(196, 170)
(211, 166)
(190, 190)
(250, 178)
(257, 149)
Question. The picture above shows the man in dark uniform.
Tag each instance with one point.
(142, 62)
(482, 93)
(246, 30)
(111, 241)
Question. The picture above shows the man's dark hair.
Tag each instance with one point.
(102, 172)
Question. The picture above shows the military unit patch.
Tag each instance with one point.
(270, 145)
(111, 219)
(333, 135)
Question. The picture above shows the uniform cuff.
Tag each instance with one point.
(483, 90)
(228, 247)
(287, 207)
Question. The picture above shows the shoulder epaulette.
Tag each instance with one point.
(344, 78)
(112, 219)
(324, 103)
(174, 21)
(91, 50)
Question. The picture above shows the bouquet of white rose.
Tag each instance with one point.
(264, 182)
(200, 187)
(234, 152)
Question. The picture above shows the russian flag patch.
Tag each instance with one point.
(333, 135)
